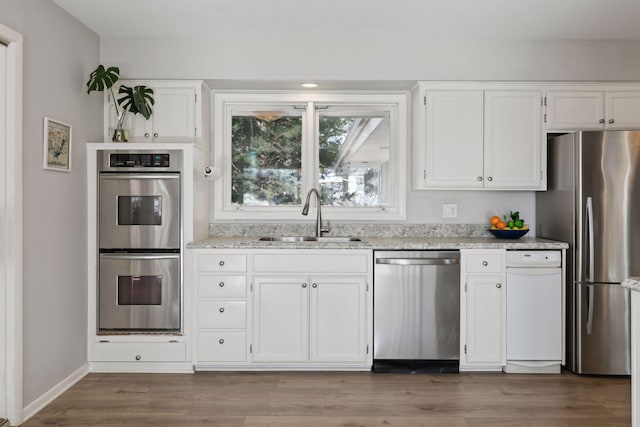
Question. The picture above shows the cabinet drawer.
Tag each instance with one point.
(311, 263)
(222, 262)
(485, 263)
(222, 347)
(217, 286)
(222, 314)
(139, 352)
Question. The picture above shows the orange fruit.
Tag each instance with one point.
(494, 220)
(500, 225)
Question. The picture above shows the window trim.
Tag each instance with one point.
(223, 104)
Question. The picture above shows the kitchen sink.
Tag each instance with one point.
(295, 239)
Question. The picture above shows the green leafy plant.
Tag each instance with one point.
(136, 100)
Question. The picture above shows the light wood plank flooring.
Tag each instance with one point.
(290, 399)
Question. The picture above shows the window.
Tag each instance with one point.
(273, 148)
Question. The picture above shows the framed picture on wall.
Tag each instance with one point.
(56, 145)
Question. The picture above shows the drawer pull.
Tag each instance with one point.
(221, 309)
(498, 285)
(221, 341)
(221, 284)
(314, 285)
(221, 263)
(138, 357)
(485, 263)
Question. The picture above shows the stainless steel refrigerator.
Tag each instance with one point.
(593, 203)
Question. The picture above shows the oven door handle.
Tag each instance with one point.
(140, 256)
(139, 176)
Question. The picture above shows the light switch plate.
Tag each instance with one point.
(449, 210)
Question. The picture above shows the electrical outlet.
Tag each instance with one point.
(449, 210)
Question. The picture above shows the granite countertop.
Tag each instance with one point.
(632, 283)
(381, 243)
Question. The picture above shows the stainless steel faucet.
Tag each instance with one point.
(305, 211)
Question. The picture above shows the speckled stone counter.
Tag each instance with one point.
(373, 236)
(380, 243)
(632, 283)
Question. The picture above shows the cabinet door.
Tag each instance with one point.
(513, 140)
(338, 322)
(174, 113)
(575, 110)
(280, 319)
(453, 154)
(485, 319)
(623, 110)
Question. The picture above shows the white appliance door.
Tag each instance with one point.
(534, 314)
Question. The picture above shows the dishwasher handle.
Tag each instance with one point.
(418, 261)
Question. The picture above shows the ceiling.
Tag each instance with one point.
(430, 19)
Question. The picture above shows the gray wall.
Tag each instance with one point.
(59, 54)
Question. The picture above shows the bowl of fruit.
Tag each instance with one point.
(509, 226)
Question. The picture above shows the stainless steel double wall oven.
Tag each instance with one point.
(139, 236)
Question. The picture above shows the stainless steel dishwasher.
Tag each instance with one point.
(416, 311)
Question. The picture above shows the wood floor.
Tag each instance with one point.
(340, 399)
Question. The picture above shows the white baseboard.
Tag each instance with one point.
(37, 405)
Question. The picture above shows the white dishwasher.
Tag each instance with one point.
(534, 312)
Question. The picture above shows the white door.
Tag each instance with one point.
(454, 123)
(513, 140)
(281, 319)
(485, 301)
(174, 113)
(11, 384)
(3, 284)
(338, 324)
(622, 109)
(575, 110)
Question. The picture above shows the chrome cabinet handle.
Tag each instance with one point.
(221, 284)
(221, 309)
(138, 357)
(490, 178)
(221, 341)
(146, 134)
(221, 263)
(479, 178)
(155, 134)
(611, 121)
(485, 263)
(314, 285)
(601, 121)
(304, 285)
(498, 285)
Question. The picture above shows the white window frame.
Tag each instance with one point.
(226, 102)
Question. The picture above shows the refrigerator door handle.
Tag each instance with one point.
(590, 297)
(590, 253)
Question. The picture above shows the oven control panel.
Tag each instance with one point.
(138, 160)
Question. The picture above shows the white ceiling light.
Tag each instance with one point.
(309, 85)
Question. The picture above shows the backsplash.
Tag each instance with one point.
(353, 230)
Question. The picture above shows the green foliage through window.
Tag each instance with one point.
(266, 160)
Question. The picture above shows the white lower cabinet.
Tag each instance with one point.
(483, 309)
(283, 309)
(310, 319)
(280, 319)
(221, 314)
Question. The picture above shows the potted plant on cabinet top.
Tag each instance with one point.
(136, 100)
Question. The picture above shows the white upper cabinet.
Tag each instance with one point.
(453, 146)
(477, 137)
(568, 110)
(180, 112)
(513, 149)
(622, 110)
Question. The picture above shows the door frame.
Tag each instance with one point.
(11, 231)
